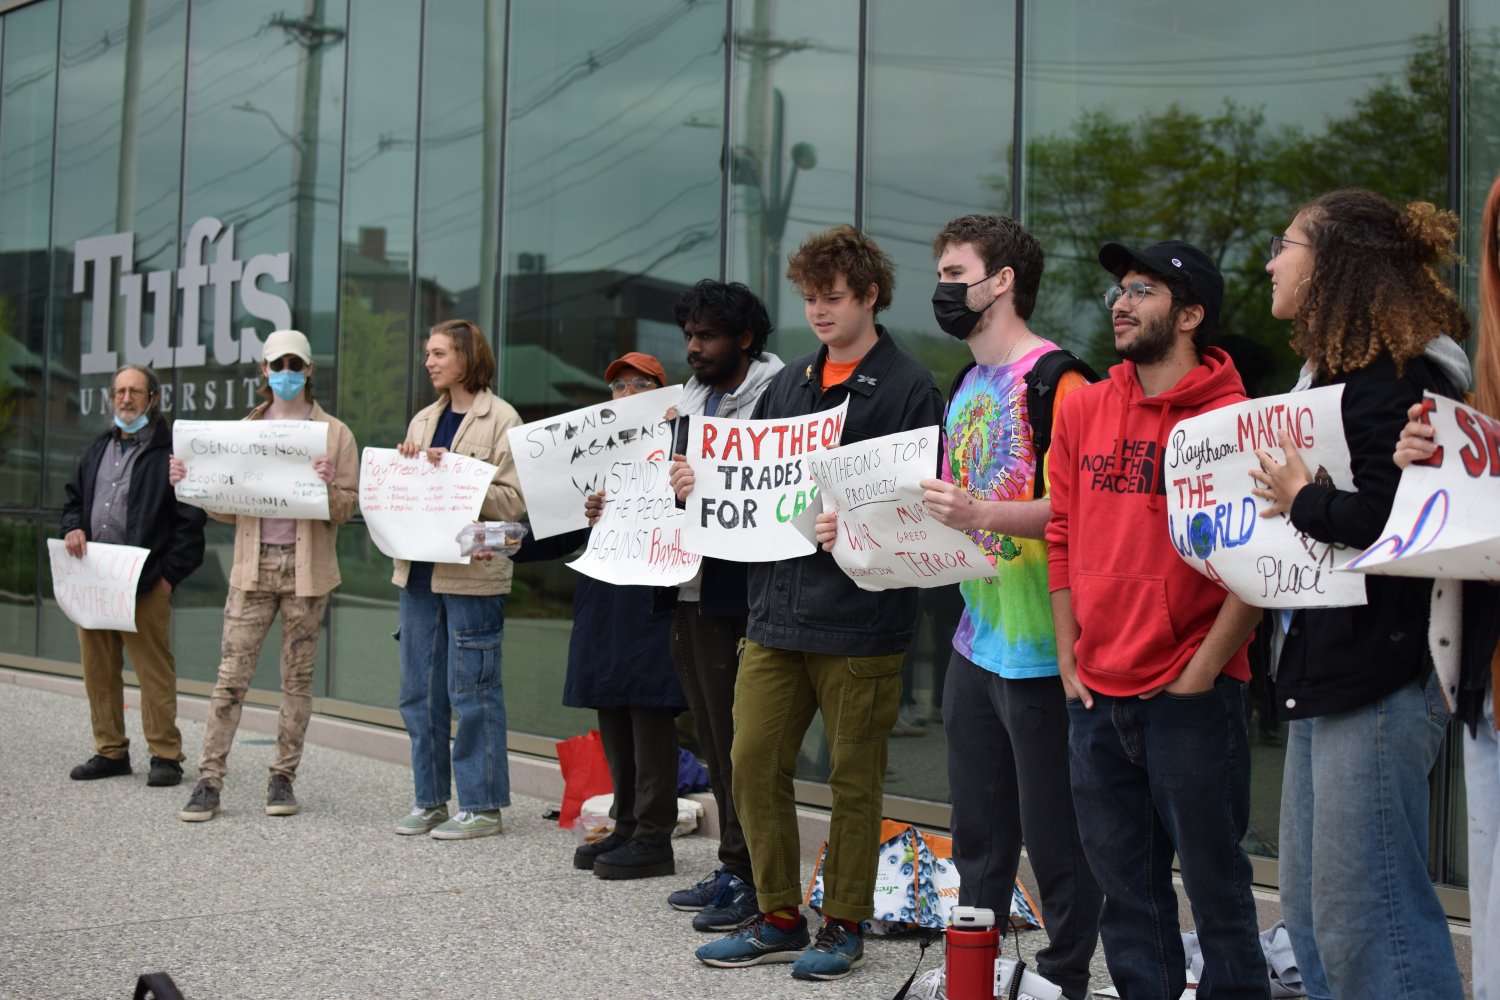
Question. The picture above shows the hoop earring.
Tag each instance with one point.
(1297, 291)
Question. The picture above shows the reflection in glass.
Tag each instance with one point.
(28, 84)
(20, 587)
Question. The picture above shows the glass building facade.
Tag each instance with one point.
(180, 177)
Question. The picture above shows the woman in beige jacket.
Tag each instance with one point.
(280, 565)
(453, 615)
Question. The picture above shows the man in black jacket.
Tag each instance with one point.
(815, 641)
(118, 494)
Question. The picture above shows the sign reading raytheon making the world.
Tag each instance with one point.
(95, 259)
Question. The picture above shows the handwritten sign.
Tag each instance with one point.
(415, 509)
(886, 537)
(753, 497)
(562, 459)
(260, 468)
(638, 540)
(1215, 522)
(1442, 524)
(98, 590)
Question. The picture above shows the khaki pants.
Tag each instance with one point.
(247, 618)
(774, 699)
(151, 657)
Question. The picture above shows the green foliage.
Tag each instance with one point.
(373, 365)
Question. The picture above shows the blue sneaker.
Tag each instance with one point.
(835, 954)
(695, 898)
(733, 907)
(757, 943)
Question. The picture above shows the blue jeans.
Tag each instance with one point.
(450, 662)
(1156, 777)
(1359, 905)
(1482, 776)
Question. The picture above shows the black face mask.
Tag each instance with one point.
(950, 307)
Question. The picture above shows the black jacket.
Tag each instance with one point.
(155, 520)
(1337, 659)
(809, 604)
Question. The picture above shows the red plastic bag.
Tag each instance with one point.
(585, 774)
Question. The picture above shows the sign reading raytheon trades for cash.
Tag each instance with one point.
(1215, 520)
(204, 290)
(754, 499)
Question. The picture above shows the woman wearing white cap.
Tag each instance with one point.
(284, 565)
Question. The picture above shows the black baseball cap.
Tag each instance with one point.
(1192, 268)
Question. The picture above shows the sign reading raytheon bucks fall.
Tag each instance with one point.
(97, 590)
(260, 468)
(1215, 521)
(638, 540)
(886, 537)
(562, 459)
(754, 499)
(414, 508)
(1443, 522)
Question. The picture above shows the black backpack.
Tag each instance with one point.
(1041, 392)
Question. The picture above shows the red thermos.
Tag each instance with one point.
(973, 944)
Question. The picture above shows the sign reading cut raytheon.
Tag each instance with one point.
(224, 282)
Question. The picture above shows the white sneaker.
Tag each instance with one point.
(929, 986)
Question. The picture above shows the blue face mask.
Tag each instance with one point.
(287, 384)
(134, 427)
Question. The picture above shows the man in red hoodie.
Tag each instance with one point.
(1153, 654)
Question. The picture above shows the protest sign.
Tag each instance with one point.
(753, 499)
(562, 459)
(415, 509)
(261, 468)
(1215, 522)
(638, 540)
(886, 537)
(98, 589)
(1442, 523)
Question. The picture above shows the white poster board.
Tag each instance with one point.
(886, 537)
(1443, 523)
(638, 540)
(415, 509)
(562, 459)
(261, 468)
(1215, 522)
(97, 590)
(753, 498)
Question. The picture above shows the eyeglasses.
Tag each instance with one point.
(1135, 291)
(295, 364)
(639, 384)
(131, 393)
(1280, 243)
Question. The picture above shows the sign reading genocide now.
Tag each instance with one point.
(1215, 522)
(753, 497)
(562, 459)
(886, 537)
(414, 509)
(638, 540)
(98, 589)
(1443, 522)
(261, 468)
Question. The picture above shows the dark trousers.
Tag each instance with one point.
(1009, 781)
(1158, 776)
(705, 650)
(640, 745)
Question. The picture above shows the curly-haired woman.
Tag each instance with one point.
(1356, 276)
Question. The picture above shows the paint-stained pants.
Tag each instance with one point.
(247, 618)
(150, 652)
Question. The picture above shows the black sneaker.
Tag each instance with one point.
(636, 859)
(734, 907)
(279, 798)
(696, 897)
(164, 773)
(100, 766)
(585, 854)
(203, 804)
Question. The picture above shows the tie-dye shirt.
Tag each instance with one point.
(1007, 621)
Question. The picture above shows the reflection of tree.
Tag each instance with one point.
(1225, 181)
(372, 374)
(11, 382)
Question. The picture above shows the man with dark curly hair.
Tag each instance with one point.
(815, 641)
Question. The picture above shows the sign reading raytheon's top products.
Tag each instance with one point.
(94, 259)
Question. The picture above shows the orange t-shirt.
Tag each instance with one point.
(837, 372)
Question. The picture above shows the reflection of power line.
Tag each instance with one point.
(640, 224)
